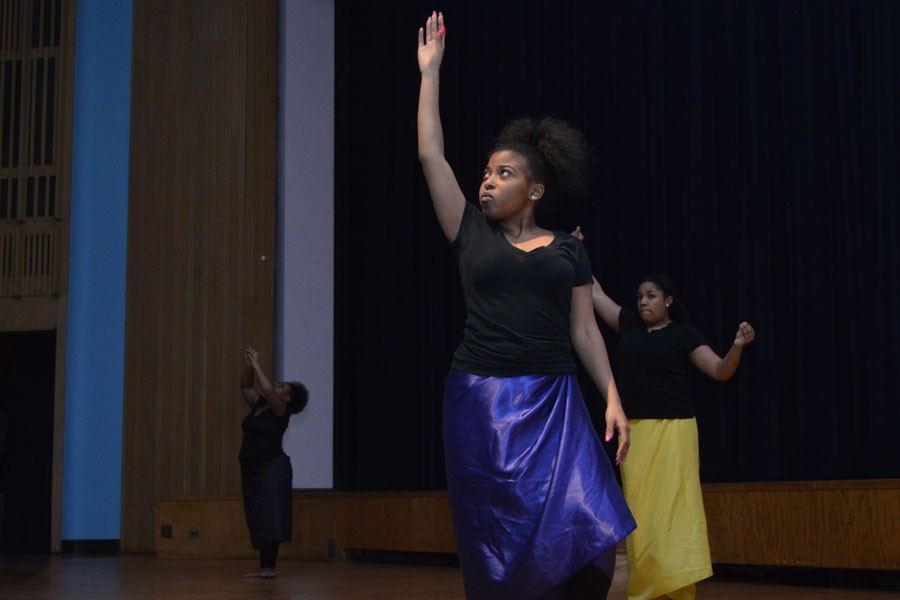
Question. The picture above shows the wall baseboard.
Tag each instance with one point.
(818, 524)
(326, 525)
(90, 547)
(849, 524)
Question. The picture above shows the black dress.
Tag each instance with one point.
(266, 477)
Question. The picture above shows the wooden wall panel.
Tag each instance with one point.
(212, 528)
(830, 524)
(202, 208)
(325, 525)
(411, 521)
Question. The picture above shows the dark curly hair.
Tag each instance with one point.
(557, 155)
(299, 397)
(677, 311)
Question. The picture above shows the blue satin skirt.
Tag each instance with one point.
(533, 496)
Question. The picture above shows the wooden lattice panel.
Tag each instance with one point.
(30, 125)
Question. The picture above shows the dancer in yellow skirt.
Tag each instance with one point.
(668, 553)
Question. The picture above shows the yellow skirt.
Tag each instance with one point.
(669, 551)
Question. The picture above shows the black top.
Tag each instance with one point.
(517, 302)
(262, 435)
(653, 368)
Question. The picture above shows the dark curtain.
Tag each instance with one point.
(748, 149)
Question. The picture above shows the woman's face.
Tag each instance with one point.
(506, 188)
(283, 389)
(652, 304)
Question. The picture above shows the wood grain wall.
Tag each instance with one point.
(201, 244)
(326, 524)
(827, 524)
(821, 524)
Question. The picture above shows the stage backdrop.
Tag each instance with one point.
(748, 149)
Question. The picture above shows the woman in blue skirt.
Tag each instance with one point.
(536, 508)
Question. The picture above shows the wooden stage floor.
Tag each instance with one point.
(80, 577)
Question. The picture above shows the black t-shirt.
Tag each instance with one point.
(262, 435)
(653, 368)
(517, 302)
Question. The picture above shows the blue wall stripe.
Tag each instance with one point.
(92, 467)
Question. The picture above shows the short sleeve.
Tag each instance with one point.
(691, 338)
(583, 273)
(470, 214)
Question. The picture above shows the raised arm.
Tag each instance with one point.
(719, 368)
(446, 195)
(275, 395)
(248, 389)
(588, 343)
(605, 306)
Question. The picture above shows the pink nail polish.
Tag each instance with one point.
(442, 31)
(608, 437)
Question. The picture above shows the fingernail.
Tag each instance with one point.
(608, 437)
(442, 31)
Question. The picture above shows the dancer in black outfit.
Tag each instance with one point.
(266, 473)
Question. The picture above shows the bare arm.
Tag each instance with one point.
(446, 195)
(605, 306)
(722, 369)
(588, 343)
(274, 397)
(251, 394)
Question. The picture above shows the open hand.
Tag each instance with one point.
(432, 39)
(616, 422)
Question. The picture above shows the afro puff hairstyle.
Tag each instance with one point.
(557, 155)
(299, 397)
